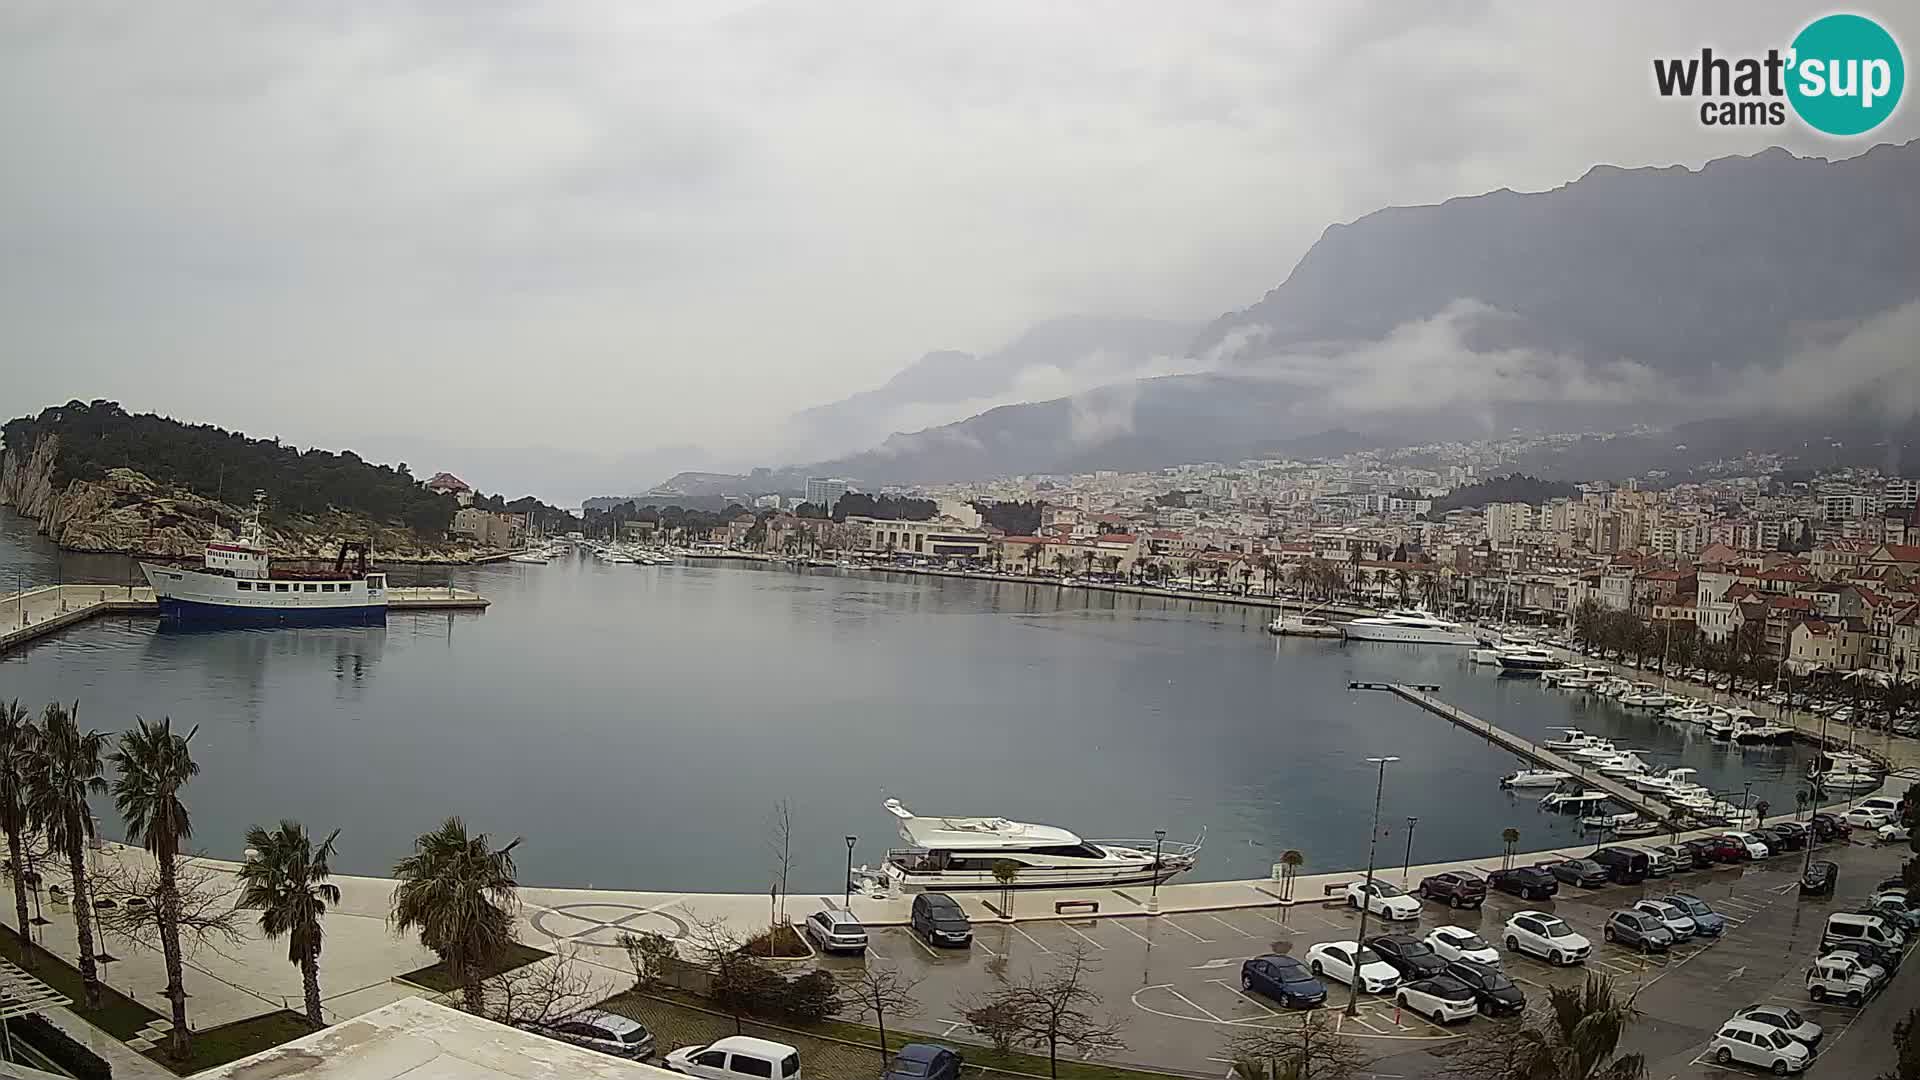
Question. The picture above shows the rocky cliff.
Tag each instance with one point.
(127, 512)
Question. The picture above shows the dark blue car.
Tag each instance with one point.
(924, 1061)
(1283, 979)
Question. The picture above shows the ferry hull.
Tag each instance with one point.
(197, 613)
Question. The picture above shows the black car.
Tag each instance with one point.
(1526, 882)
(1828, 826)
(1459, 888)
(938, 920)
(1412, 958)
(1819, 878)
(923, 1061)
(1888, 959)
(1699, 852)
(1491, 987)
(1782, 838)
(1283, 979)
(1582, 872)
(1796, 835)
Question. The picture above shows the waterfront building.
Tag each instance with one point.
(825, 491)
(941, 538)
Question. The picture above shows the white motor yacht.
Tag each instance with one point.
(1690, 713)
(1409, 626)
(949, 853)
(1575, 740)
(1609, 821)
(1569, 803)
(1626, 764)
(1486, 656)
(1662, 784)
(1596, 751)
(1527, 660)
(1644, 696)
(1302, 624)
(1535, 778)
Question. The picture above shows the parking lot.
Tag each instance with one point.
(1174, 981)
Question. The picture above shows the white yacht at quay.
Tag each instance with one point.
(960, 852)
(1409, 626)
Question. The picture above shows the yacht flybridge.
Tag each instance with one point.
(960, 853)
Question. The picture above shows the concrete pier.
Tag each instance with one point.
(1646, 805)
(34, 613)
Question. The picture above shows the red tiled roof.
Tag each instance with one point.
(1117, 538)
(1904, 553)
(1789, 603)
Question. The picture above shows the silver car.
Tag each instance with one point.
(836, 931)
(609, 1033)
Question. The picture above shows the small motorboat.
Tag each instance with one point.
(1535, 778)
(1575, 740)
(1302, 625)
(1609, 821)
(1644, 696)
(1573, 802)
(1527, 660)
(1639, 826)
(1596, 751)
(1691, 713)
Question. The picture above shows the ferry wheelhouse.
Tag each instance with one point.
(238, 583)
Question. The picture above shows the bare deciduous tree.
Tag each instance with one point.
(883, 992)
(204, 896)
(1308, 1050)
(1051, 1010)
(780, 845)
(541, 993)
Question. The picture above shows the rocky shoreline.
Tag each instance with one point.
(127, 513)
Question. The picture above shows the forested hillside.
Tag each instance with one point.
(226, 465)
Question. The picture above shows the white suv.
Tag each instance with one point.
(1545, 936)
(1752, 1043)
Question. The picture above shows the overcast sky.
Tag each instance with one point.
(606, 227)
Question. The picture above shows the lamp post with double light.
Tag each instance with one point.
(846, 903)
(1366, 892)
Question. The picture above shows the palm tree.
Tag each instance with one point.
(1033, 553)
(1402, 581)
(154, 765)
(1063, 562)
(1089, 559)
(1511, 838)
(1292, 859)
(459, 892)
(285, 879)
(1579, 1035)
(16, 735)
(62, 770)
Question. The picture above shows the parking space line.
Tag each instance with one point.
(1036, 941)
(1194, 1005)
(1083, 937)
(1121, 924)
(1363, 1024)
(1189, 933)
(915, 938)
(1226, 924)
(978, 940)
(1256, 1004)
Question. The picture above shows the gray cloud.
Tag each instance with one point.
(610, 226)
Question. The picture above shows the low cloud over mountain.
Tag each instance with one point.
(1643, 296)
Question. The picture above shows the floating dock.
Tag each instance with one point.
(1645, 804)
(34, 613)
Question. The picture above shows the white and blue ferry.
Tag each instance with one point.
(238, 584)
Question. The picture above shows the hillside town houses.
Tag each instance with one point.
(1827, 566)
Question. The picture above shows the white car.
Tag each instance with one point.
(1893, 831)
(1384, 900)
(1756, 847)
(1753, 1043)
(736, 1056)
(1671, 915)
(1441, 999)
(1545, 936)
(1334, 960)
(1866, 817)
(1459, 943)
(1785, 1019)
(1838, 977)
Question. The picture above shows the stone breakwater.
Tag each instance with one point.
(128, 512)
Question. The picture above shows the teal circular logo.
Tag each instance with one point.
(1847, 74)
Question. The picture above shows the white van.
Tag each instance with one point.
(736, 1057)
(1886, 804)
(1852, 926)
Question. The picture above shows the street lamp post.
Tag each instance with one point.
(1153, 896)
(1406, 867)
(846, 903)
(1366, 896)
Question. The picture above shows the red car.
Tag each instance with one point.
(1726, 849)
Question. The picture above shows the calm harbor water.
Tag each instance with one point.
(638, 724)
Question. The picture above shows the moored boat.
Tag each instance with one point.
(1409, 626)
(239, 583)
(949, 853)
(1535, 778)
